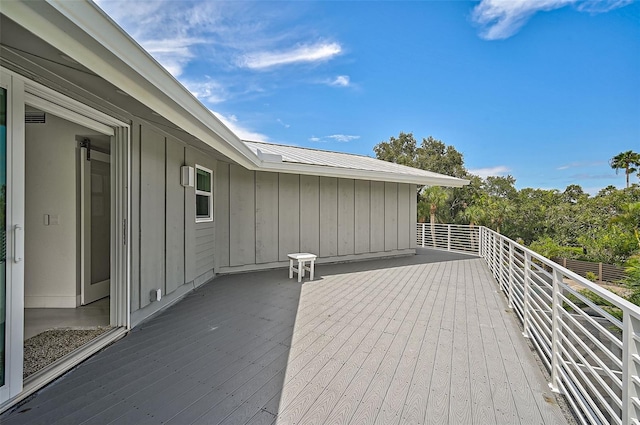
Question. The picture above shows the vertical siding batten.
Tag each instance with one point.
(289, 217)
(404, 221)
(189, 223)
(242, 243)
(362, 212)
(310, 214)
(377, 216)
(390, 216)
(222, 216)
(346, 218)
(136, 174)
(266, 217)
(328, 216)
(152, 229)
(413, 215)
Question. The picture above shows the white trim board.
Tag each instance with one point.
(53, 301)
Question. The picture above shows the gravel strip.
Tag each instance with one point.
(47, 347)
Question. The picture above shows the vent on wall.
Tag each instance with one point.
(34, 117)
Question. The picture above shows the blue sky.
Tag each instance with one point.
(545, 90)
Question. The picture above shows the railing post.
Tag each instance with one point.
(423, 226)
(448, 237)
(511, 278)
(630, 368)
(527, 288)
(501, 262)
(495, 254)
(556, 331)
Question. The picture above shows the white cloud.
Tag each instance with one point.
(501, 19)
(340, 81)
(282, 123)
(303, 53)
(498, 170)
(242, 132)
(208, 90)
(581, 165)
(343, 137)
(174, 54)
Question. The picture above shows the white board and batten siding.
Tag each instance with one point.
(272, 214)
(170, 251)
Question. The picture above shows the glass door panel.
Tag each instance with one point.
(3, 230)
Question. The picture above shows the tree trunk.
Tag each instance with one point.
(432, 219)
(627, 173)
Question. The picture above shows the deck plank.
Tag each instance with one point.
(421, 339)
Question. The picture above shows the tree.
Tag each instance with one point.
(431, 155)
(627, 161)
(498, 210)
(501, 187)
(434, 155)
(401, 150)
(435, 197)
(574, 194)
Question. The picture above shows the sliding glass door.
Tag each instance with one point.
(3, 232)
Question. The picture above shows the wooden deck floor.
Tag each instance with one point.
(423, 339)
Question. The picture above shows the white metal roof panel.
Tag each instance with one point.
(358, 163)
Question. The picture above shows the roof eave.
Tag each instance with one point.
(100, 45)
(349, 173)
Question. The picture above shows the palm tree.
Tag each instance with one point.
(435, 197)
(498, 209)
(625, 160)
(474, 214)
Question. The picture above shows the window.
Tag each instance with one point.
(204, 194)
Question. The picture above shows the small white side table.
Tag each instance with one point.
(302, 258)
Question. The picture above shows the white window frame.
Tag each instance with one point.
(204, 193)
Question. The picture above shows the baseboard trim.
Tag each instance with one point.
(324, 260)
(37, 301)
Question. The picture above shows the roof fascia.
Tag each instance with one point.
(349, 173)
(101, 46)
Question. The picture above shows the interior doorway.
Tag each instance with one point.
(40, 134)
(68, 231)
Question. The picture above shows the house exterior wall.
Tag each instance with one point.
(169, 250)
(261, 217)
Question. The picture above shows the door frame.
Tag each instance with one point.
(55, 103)
(89, 291)
(20, 92)
(14, 298)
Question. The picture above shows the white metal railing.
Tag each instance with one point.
(593, 356)
(452, 237)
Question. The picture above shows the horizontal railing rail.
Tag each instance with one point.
(590, 349)
(452, 237)
(587, 337)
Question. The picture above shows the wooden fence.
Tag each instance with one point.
(605, 272)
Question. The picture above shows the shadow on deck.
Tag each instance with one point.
(419, 339)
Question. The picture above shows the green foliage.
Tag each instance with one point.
(627, 161)
(632, 278)
(591, 276)
(435, 197)
(568, 223)
(432, 154)
(549, 248)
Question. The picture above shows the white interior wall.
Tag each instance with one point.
(51, 252)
